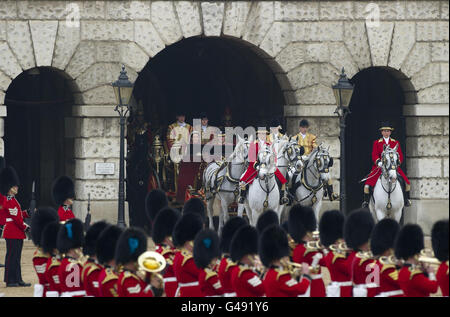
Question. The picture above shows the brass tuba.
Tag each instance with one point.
(153, 263)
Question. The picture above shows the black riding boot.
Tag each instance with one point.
(406, 198)
(332, 195)
(365, 203)
(242, 194)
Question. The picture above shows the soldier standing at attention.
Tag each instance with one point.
(63, 191)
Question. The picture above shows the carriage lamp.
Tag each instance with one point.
(343, 92)
(123, 89)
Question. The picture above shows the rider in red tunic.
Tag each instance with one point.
(252, 170)
(377, 149)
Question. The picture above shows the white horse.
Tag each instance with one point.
(221, 182)
(309, 184)
(263, 192)
(387, 200)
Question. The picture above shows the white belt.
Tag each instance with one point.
(390, 293)
(9, 219)
(73, 293)
(230, 294)
(170, 279)
(369, 285)
(51, 294)
(340, 284)
(188, 284)
(316, 276)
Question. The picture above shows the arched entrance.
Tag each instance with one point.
(38, 101)
(214, 75)
(379, 95)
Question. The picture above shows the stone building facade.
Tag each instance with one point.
(306, 43)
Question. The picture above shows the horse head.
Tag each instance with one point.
(390, 162)
(266, 160)
(322, 161)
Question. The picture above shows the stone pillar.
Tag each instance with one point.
(96, 138)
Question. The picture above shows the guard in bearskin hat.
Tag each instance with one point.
(131, 283)
(226, 264)
(331, 233)
(154, 202)
(15, 227)
(280, 280)
(246, 276)
(415, 279)
(92, 268)
(41, 218)
(162, 236)
(69, 242)
(357, 230)
(206, 255)
(48, 244)
(184, 266)
(195, 205)
(63, 192)
(302, 223)
(266, 219)
(382, 246)
(105, 250)
(439, 242)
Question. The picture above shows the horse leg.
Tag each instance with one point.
(210, 208)
(223, 216)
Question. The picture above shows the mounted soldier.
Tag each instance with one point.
(377, 149)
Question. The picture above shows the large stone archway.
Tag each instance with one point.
(305, 42)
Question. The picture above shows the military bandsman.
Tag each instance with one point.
(439, 241)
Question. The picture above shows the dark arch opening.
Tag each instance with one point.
(378, 96)
(199, 74)
(35, 145)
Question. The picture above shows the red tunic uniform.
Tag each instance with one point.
(364, 276)
(89, 278)
(131, 285)
(442, 278)
(170, 281)
(187, 274)
(414, 283)
(209, 282)
(389, 286)
(51, 274)
(225, 269)
(251, 172)
(107, 280)
(14, 215)
(377, 149)
(340, 274)
(302, 254)
(69, 273)
(245, 282)
(65, 213)
(40, 260)
(279, 283)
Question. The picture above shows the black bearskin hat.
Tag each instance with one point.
(228, 230)
(244, 242)
(186, 228)
(206, 248)
(39, 219)
(383, 236)
(50, 236)
(70, 235)
(131, 244)
(358, 228)
(331, 227)
(62, 189)
(90, 241)
(195, 205)
(273, 245)
(439, 240)
(164, 223)
(301, 221)
(409, 241)
(8, 179)
(266, 219)
(106, 243)
(154, 202)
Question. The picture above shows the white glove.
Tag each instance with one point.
(380, 164)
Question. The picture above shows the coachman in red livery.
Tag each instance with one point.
(377, 148)
(439, 241)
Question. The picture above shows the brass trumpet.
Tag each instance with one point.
(152, 262)
(427, 257)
